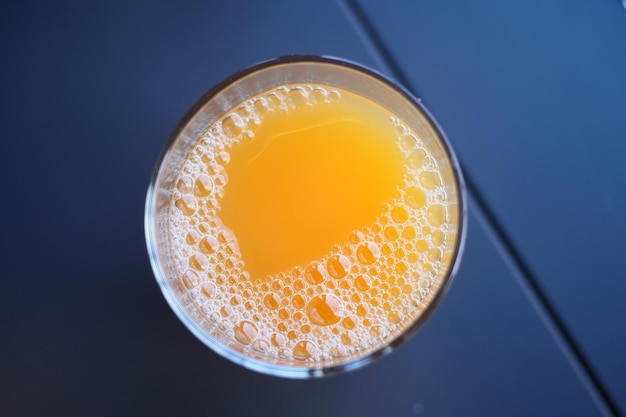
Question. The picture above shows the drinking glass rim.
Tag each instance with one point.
(305, 371)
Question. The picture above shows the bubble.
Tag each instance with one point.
(304, 350)
(191, 279)
(338, 266)
(209, 290)
(408, 142)
(298, 301)
(367, 253)
(203, 186)
(198, 261)
(430, 180)
(261, 345)
(283, 313)
(184, 184)
(192, 237)
(273, 102)
(318, 95)
(363, 282)
(409, 233)
(416, 158)
(271, 301)
(437, 237)
(298, 285)
(415, 198)
(245, 332)
(187, 205)
(436, 215)
(324, 310)
(226, 311)
(208, 244)
(399, 214)
(297, 97)
(277, 339)
(391, 233)
(349, 322)
(434, 254)
(394, 317)
(333, 96)
(233, 125)
(314, 273)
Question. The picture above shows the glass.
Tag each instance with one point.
(343, 309)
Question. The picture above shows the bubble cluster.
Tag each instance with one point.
(353, 300)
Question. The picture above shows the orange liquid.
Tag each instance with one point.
(308, 225)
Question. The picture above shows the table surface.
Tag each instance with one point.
(532, 96)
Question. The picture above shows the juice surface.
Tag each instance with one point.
(309, 178)
(309, 225)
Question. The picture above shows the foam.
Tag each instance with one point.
(351, 301)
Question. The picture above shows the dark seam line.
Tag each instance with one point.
(525, 278)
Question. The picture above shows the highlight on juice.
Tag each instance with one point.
(305, 217)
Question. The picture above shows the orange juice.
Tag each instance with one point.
(310, 225)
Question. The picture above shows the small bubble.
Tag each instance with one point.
(391, 233)
(415, 198)
(363, 282)
(187, 205)
(367, 253)
(191, 279)
(361, 310)
(438, 237)
(314, 274)
(298, 301)
(349, 322)
(436, 215)
(430, 180)
(333, 96)
(273, 102)
(399, 214)
(226, 311)
(223, 158)
(324, 310)
(304, 350)
(408, 142)
(409, 233)
(338, 266)
(199, 262)
(277, 339)
(192, 237)
(261, 345)
(245, 332)
(318, 95)
(233, 125)
(209, 290)
(394, 317)
(208, 244)
(184, 185)
(203, 186)
(297, 97)
(271, 301)
(416, 158)
(434, 254)
(298, 285)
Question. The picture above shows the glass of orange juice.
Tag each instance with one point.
(305, 217)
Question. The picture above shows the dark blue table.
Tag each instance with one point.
(532, 96)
